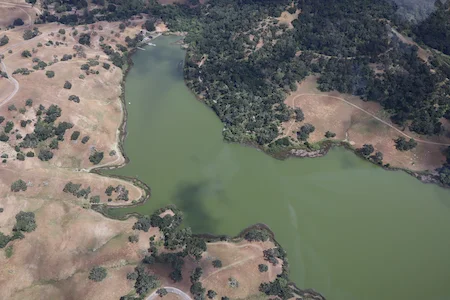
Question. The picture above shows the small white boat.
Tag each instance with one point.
(151, 44)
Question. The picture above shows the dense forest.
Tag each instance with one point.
(250, 61)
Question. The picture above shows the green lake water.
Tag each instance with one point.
(351, 229)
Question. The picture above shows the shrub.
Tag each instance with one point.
(30, 154)
(29, 102)
(106, 66)
(62, 31)
(20, 156)
(18, 186)
(304, 132)
(50, 74)
(66, 57)
(84, 67)
(54, 144)
(28, 34)
(132, 276)
(67, 85)
(12, 107)
(217, 263)
(96, 157)
(97, 274)
(2, 118)
(45, 154)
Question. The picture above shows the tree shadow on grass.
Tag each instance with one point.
(190, 197)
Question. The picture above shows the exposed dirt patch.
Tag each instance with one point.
(287, 18)
(328, 113)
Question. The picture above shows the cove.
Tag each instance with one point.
(351, 230)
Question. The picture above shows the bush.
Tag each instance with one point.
(45, 155)
(28, 34)
(84, 67)
(134, 239)
(106, 66)
(75, 135)
(30, 154)
(54, 144)
(62, 31)
(2, 118)
(149, 25)
(4, 137)
(263, 268)
(97, 274)
(12, 107)
(217, 263)
(67, 85)
(29, 102)
(20, 156)
(9, 126)
(18, 186)
(50, 74)
(96, 157)
(132, 276)
(304, 132)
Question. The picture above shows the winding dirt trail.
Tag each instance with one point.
(172, 290)
(366, 112)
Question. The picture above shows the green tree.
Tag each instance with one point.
(330, 134)
(50, 74)
(45, 154)
(211, 294)
(25, 221)
(263, 268)
(217, 263)
(96, 157)
(18, 185)
(26, 53)
(162, 292)
(196, 274)
(97, 274)
(4, 40)
(366, 149)
(67, 85)
(299, 116)
(402, 145)
(75, 135)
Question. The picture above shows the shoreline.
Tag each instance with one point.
(281, 153)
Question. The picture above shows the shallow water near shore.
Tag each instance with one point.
(351, 230)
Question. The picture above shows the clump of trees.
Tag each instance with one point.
(366, 149)
(305, 131)
(18, 185)
(96, 157)
(257, 235)
(45, 154)
(25, 222)
(402, 144)
(29, 34)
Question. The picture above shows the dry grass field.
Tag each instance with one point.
(359, 122)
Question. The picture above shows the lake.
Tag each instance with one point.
(351, 230)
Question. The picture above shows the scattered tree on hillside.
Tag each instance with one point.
(97, 274)
(18, 186)
(217, 263)
(402, 145)
(366, 149)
